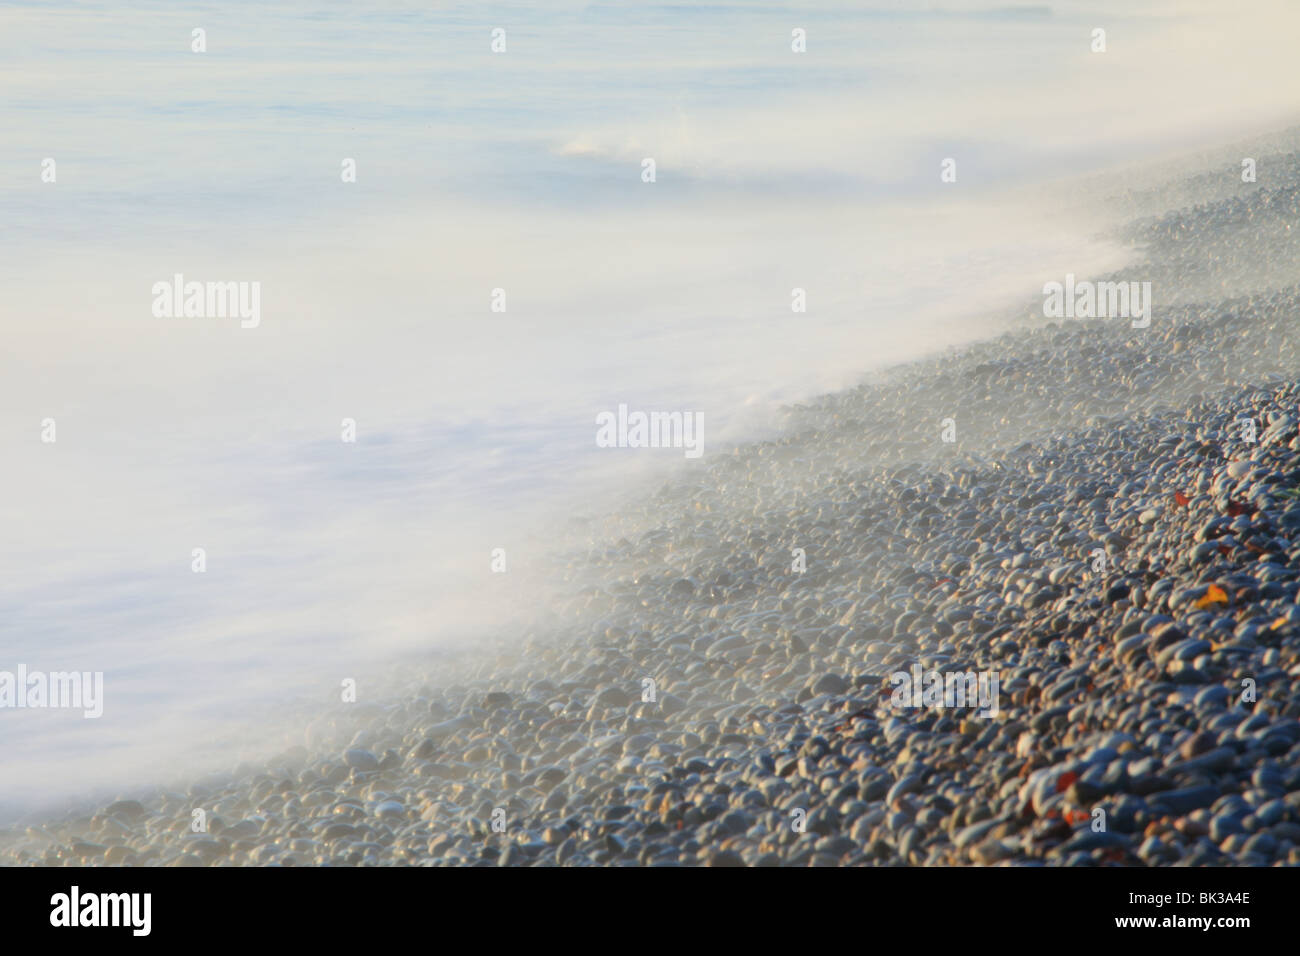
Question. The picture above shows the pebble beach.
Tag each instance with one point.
(1077, 507)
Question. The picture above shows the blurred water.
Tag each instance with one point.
(476, 170)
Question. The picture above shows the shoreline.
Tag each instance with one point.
(1120, 673)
